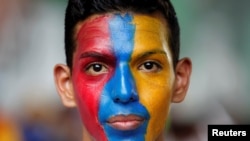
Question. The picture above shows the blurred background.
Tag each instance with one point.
(214, 34)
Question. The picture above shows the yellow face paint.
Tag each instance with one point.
(152, 69)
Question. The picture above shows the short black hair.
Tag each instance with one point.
(79, 10)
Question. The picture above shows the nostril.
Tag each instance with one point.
(117, 99)
(125, 98)
(131, 99)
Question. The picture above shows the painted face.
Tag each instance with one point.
(123, 76)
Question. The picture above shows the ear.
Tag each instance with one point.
(182, 72)
(64, 85)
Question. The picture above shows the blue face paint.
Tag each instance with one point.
(119, 96)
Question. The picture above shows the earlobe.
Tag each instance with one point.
(183, 73)
(63, 83)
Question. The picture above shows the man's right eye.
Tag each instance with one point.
(96, 69)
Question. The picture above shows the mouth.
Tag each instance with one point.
(125, 122)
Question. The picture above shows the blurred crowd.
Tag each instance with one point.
(31, 42)
(214, 34)
(41, 125)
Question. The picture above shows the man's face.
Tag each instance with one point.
(122, 76)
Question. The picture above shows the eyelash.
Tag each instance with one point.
(91, 70)
(154, 66)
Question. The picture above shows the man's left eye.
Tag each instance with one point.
(150, 66)
(96, 69)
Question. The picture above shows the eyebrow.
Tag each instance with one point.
(95, 55)
(91, 54)
(149, 53)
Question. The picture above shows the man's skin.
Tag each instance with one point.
(122, 79)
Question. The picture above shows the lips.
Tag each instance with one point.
(125, 122)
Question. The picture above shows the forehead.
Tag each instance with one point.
(102, 32)
(151, 23)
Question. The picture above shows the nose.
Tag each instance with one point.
(124, 90)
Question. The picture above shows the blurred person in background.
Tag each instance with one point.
(26, 27)
(123, 69)
(9, 128)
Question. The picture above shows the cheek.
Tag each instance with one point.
(155, 94)
(87, 93)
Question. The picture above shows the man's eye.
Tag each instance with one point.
(150, 66)
(96, 69)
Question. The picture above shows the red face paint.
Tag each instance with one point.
(93, 46)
